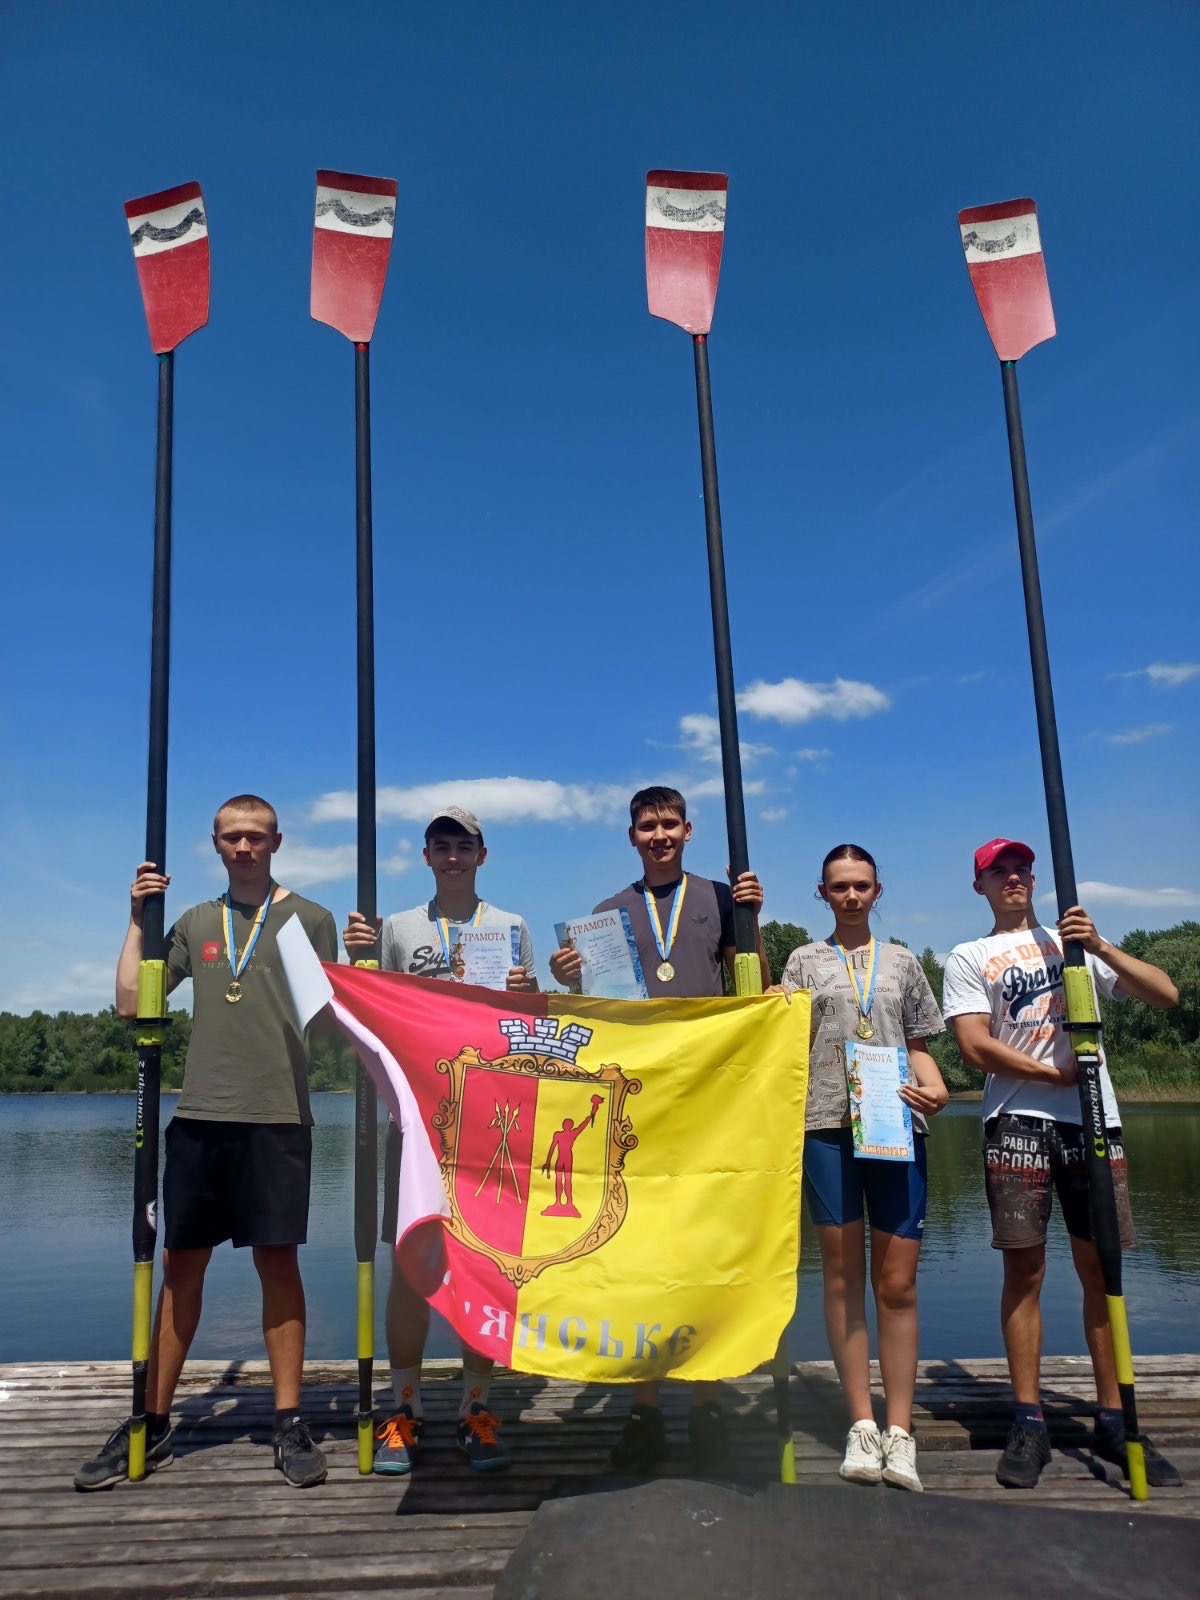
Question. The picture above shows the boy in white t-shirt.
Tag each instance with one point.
(1004, 997)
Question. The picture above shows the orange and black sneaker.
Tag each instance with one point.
(397, 1441)
(479, 1440)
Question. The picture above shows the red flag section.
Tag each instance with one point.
(685, 229)
(169, 232)
(1008, 273)
(352, 241)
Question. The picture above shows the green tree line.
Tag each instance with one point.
(72, 1052)
(1148, 1050)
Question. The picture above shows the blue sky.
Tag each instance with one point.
(543, 631)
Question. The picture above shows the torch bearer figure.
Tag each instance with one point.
(1003, 249)
(352, 242)
(685, 234)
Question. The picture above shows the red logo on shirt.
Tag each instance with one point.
(211, 950)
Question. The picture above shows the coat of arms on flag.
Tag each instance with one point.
(532, 1149)
(597, 1189)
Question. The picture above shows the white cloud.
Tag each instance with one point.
(809, 754)
(494, 800)
(84, 986)
(1116, 894)
(774, 814)
(701, 737)
(1152, 730)
(303, 866)
(792, 700)
(716, 786)
(1166, 674)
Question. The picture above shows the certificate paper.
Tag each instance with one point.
(880, 1120)
(612, 968)
(483, 956)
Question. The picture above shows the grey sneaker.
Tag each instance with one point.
(110, 1464)
(297, 1457)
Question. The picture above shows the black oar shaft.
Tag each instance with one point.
(1082, 1023)
(152, 1007)
(731, 760)
(160, 657)
(1039, 656)
(366, 1150)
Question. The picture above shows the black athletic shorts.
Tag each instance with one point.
(245, 1181)
(1025, 1159)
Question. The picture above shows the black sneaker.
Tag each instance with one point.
(1160, 1473)
(111, 1463)
(1025, 1454)
(297, 1457)
(708, 1440)
(643, 1443)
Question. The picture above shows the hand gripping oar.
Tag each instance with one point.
(685, 230)
(352, 241)
(169, 233)
(1003, 248)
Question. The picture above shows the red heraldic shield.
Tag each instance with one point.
(1008, 274)
(170, 247)
(685, 229)
(352, 241)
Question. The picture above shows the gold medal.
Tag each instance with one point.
(234, 992)
(863, 1028)
(665, 973)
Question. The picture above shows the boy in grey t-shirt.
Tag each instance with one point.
(420, 942)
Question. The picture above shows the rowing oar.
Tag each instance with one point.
(1008, 273)
(352, 240)
(685, 230)
(170, 250)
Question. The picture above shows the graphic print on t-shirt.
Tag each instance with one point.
(1031, 987)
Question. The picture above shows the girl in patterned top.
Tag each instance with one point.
(869, 991)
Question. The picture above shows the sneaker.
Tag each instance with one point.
(708, 1440)
(1025, 1454)
(1160, 1473)
(479, 1440)
(111, 1463)
(900, 1460)
(643, 1443)
(863, 1461)
(297, 1457)
(397, 1442)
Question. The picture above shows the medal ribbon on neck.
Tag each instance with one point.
(238, 964)
(864, 997)
(443, 927)
(664, 950)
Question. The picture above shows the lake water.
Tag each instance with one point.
(66, 1201)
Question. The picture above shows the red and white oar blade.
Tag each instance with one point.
(170, 249)
(1008, 273)
(352, 240)
(685, 229)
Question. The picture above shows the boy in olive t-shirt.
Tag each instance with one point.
(239, 1148)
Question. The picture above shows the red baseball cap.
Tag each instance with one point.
(988, 852)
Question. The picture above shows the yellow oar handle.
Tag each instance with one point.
(747, 974)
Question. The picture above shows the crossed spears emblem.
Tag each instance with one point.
(561, 1153)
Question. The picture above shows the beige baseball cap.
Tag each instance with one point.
(457, 814)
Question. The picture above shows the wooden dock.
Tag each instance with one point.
(219, 1522)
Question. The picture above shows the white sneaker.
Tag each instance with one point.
(864, 1454)
(900, 1460)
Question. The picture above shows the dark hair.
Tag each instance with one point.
(658, 800)
(455, 830)
(248, 802)
(849, 852)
